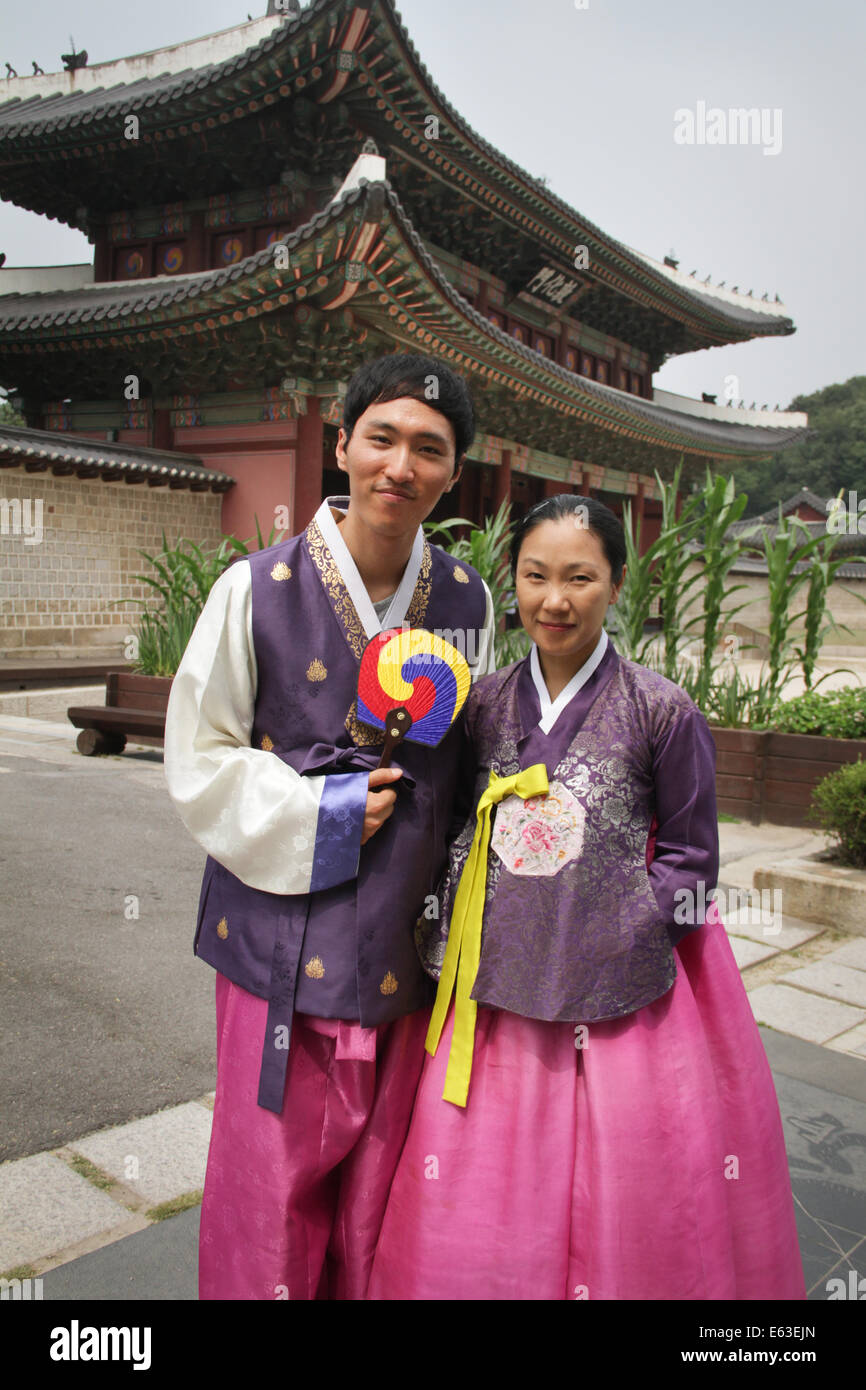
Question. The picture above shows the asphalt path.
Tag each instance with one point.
(106, 1015)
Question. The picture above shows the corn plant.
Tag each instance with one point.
(634, 605)
(822, 572)
(722, 506)
(792, 561)
(659, 574)
(672, 558)
(787, 573)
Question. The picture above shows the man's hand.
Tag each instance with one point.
(379, 804)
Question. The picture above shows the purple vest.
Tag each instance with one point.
(308, 643)
(585, 941)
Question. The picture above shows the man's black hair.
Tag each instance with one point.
(425, 379)
(595, 516)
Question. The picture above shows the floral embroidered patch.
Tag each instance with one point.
(540, 835)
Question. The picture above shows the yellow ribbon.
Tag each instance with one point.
(463, 952)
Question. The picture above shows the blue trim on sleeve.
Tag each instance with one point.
(338, 829)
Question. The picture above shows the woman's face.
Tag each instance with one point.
(564, 587)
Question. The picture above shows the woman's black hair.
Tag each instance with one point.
(594, 516)
(425, 379)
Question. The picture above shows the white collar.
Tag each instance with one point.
(352, 579)
(552, 709)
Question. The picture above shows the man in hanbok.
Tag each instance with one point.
(319, 864)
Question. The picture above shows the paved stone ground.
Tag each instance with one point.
(802, 978)
(107, 1014)
(96, 1215)
(824, 1119)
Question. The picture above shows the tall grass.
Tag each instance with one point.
(184, 575)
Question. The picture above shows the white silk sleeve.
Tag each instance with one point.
(244, 806)
(486, 662)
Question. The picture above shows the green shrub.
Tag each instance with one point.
(839, 806)
(835, 714)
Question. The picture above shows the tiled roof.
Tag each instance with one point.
(41, 450)
(46, 115)
(108, 304)
(804, 497)
(850, 570)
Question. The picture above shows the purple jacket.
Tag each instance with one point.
(575, 925)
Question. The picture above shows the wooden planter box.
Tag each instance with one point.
(135, 707)
(770, 777)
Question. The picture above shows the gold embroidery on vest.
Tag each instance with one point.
(316, 671)
(351, 623)
(267, 742)
(362, 735)
(417, 610)
(460, 575)
(222, 929)
(336, 589)
(281, 571)
(389, 984)
(314, 968)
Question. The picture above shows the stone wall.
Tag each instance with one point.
(753, 622)
(56, 587)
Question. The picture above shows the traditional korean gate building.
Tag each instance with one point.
(269, 206)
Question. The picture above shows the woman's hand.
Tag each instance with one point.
(380, 804)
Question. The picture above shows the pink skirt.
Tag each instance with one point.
(640, 1159)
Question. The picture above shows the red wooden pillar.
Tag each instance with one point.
(161, 434)
(502, 481)
(562, 343)
(468, 494)
(196, 243)
(552, 488)
(101, 257)
(307, 488)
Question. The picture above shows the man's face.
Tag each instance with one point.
(400, 460)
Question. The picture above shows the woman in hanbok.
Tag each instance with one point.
(596, 1117)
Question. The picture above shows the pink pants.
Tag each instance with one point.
(293, 1202)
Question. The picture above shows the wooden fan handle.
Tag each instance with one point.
(397, 725)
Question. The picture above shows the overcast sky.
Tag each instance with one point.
(586, 97)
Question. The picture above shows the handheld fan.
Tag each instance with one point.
(412, 685)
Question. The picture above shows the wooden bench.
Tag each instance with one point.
(134, 707)
(48, 675)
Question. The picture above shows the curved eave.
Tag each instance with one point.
(93, 109)
(621, 270)
(41, 451)
(362, 252)
(334, 34)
